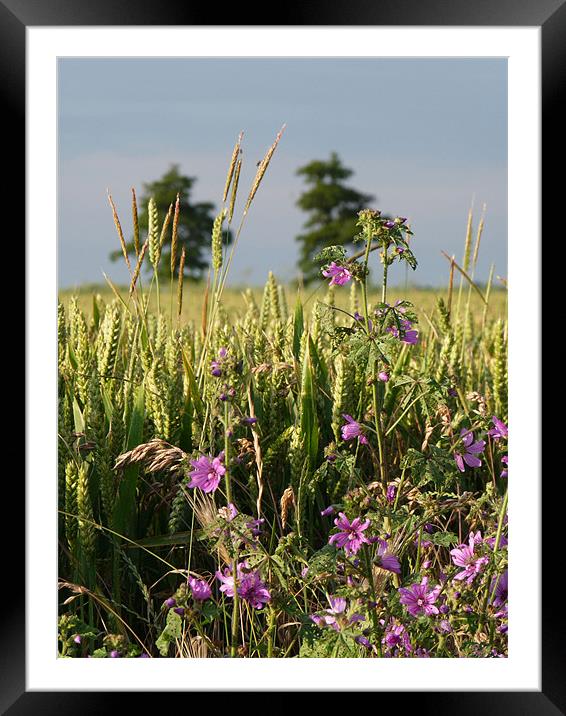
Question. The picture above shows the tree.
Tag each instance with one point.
(333, 210)
(194, 226)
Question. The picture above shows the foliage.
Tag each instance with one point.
(194, 225)
(331, 207)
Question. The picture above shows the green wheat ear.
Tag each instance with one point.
(153, 234)
(86, 530)
(217, 240)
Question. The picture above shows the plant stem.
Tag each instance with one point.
(380, 446)
(158, 295)
(371, 583)
(235, 605)
(385, 269)
(490, 592)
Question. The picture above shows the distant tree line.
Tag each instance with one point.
(331, 207)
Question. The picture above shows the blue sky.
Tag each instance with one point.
(425, 136)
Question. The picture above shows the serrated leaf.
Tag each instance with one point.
(443, 539)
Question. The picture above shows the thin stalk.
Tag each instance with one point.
(235, 604)
(377, 420)
(158, 293)
(371, 583)
(490, 592)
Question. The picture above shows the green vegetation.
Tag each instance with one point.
(291, 474)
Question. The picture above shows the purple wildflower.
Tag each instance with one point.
(502, 541)
(254, 591)
(115, 654)
(505, 461)
(144, 656)
(199, 589)
(335, 617)
(501, 589)
(383, 375)
(170, 603)
(422, 653)
(400, 219)
(206, 472)
(499, 431)
(463, 556)
(418, 599)
(249, 420)
(216, 365)
(78, 638)
(407, 334)
(396, 640)
(391, 493)
(228, 580)
(351, 535)
(352, 430)
(363, 641)
(389, 224)
(472, 450)
(339, 275)
(255, 526)
(327, 511)
(386, 559)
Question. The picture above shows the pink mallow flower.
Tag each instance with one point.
(352, 429)
(336, 617)
(396, 640)
(206, 472)
(200, 589)
(471, 451)
(407, 334)
(227, 578)
(500, 430)
(463, 556)
(351, 535)
(339, 275)
(386, 559)
(248, 584)
(252, 590)
(418, 599)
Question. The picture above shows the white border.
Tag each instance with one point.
(522, 670)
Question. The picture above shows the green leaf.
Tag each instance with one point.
(309, 426)
(193, 388)
(324, 560)
(95, 311)
(298, 327)
(178, 538)
(172, 631)
(125, 508)
(78, 417)
(443, 539)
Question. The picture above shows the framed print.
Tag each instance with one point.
(304, 481)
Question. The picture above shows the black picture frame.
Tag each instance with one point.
(550, 16)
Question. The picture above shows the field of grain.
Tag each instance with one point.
(280, 474)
